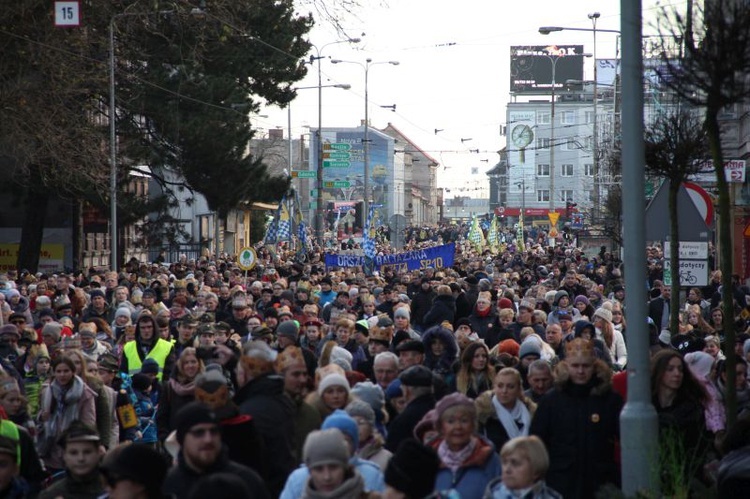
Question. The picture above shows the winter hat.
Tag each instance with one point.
(326, 447)
(394, 390)
(8, 385)
(455, 399)
(700, 364)
(289, 329)
(604, 314)
(549, 296)
(402, 313)
(340, 420)
(150, 366)
(509, 346)
(559, 295)
(427, 423)
(87, 330)
(332, 380)
(141, 382)
(192, 414)
(341, 357)
(96, 293)
(362, 409)
(122, 312)
(370, 393)
(139, 463)
(53, 329)
(504, 303)
(10, 329)
(579, 349)
(412, 469)
(529, 348)
(581, 299)
(665, 337)
(285, 311)
(362, 326)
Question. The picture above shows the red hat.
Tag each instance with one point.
(510, 347)
(504, 303)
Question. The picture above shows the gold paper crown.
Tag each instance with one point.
(579, 348)
(290, 356)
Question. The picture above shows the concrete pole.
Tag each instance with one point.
(112, 150)
(366, 145)
(319, 229)
(639, 433)
(595, 144)
(552, 145)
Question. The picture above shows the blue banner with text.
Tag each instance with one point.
(435, 257)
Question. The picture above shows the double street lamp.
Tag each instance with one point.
(546, 30)
(366, 146)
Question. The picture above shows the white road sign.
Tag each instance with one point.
(689, 250)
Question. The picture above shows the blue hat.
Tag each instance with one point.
(394, 390)
(340, 420)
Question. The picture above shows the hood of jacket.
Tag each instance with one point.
(601, 381)
(451, 348)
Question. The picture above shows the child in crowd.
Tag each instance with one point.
(81, 454)
(33, 382)
(144, 409)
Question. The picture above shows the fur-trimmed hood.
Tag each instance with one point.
(486, 410)
(600, 384)
(451, 347)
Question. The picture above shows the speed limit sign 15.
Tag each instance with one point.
(247, 258)
(67, 14)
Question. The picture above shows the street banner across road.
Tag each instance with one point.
(435, 257)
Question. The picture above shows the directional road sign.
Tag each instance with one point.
(304, 174)
(335, 164)
(338, 146)
(340, 184)
(336, 155)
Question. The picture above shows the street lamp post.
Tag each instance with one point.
(366, 145)
(546, 30)
(319, 200)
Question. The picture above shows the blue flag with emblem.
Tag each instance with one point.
(272, 232)
(368, 243)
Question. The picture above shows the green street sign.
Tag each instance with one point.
(338, 146)
(336, 155)
(304, 174)
(336, 164)
(339, 184)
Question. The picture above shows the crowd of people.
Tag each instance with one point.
(501, 376)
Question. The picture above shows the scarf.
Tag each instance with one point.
(454, 460)
(182, 389)
(516, 421)
(62, 404)
(351, 488)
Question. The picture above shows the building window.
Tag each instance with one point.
(567, 144)
(543, 117)
(589, 116)
(542, 195)
(568, 118)
(588, 169)
(567, 170)
(542, 143)
(566, 195)
(542, 170)
(588, 143)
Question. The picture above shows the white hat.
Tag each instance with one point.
(332, 379)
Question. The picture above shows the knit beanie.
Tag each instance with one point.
(340, 420)
(150, 366)
(581, 299)
(403, 313)
(362, 409)
(529, 348)
(53, 329)
(372, 394)
(454, 400)
(509, 346)
(504, 303)
(139, 463)
(123, 312)
(332, 380)
(342, 357)
(604, 314)
(325, 447)
(141, 382)
(290, 329)
(700, 364)
(192, 414)
(412, 469)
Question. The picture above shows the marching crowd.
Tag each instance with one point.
(502, 376)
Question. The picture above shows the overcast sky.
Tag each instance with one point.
(453, 73)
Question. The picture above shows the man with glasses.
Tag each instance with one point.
(201, 454)
(18, 320)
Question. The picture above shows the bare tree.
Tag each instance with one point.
(676, 144)
(712, 75)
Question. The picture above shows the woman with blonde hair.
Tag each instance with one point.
(475, 372)
(505, 412)
(178, 391)
(101, 402)
(612, 338)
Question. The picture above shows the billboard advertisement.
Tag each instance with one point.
(344, 166)
(531, 67)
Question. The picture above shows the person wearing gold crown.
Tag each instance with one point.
(578, 421)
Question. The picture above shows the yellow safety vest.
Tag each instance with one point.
(159, 353)
(10, 430)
